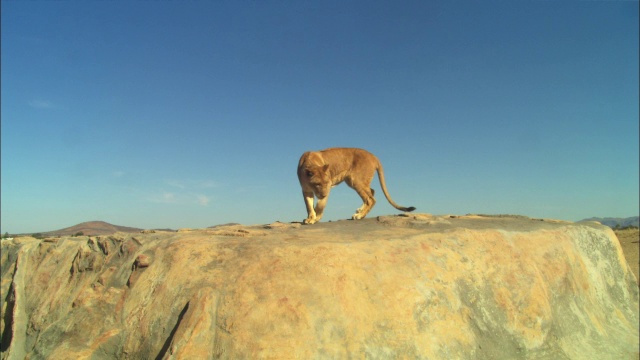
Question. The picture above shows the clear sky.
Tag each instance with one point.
(179, 114)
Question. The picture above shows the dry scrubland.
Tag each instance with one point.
(629, 241)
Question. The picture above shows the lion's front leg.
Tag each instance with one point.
(320, 207)
(311, 214)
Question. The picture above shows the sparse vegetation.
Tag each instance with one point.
(38, 236)
(629, 238)
(629, 227)
(79, 233)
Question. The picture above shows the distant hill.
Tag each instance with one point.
(92, 228)
(222, 225)
(613, 222)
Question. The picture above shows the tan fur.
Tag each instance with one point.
(319, 171)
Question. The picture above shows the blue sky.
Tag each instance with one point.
(192, 114)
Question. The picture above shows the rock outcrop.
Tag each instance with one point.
(414, 286)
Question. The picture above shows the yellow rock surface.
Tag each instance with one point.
(395, 287)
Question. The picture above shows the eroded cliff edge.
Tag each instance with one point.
(414, 286)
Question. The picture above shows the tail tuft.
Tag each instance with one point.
(409, 209)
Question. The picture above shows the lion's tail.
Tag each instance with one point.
(383, 185)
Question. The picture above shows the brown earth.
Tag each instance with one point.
(418, 286)
(629, 239)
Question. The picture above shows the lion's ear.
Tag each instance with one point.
(325, 167)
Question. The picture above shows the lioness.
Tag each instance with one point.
(319, 171)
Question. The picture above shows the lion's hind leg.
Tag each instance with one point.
(361, 208)
(367, 202)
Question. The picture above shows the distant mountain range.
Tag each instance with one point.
(92, 228)
(613, 222)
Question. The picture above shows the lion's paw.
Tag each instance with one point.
(357, 216)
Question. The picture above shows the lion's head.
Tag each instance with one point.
(319, 179)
